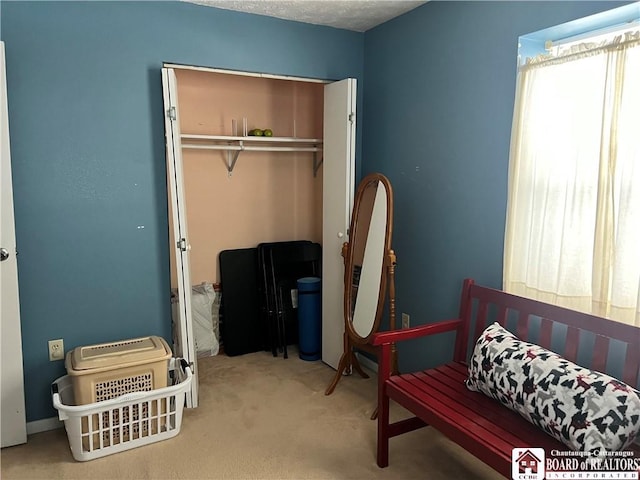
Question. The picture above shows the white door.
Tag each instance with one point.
(184, 340)
(338, 169)
(13, 423)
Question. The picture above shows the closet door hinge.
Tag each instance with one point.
(171, 113)
(352, 117)
(182, 244)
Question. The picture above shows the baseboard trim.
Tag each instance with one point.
(43, 425)
(367, 363)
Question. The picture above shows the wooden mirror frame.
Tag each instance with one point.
(360, 226)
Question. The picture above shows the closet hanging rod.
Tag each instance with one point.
(256, 139)
(251, 148)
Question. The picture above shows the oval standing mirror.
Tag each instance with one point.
(371, 224)
(369, 269)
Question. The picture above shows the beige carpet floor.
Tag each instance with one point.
(262, 417)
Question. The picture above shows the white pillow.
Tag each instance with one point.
(584, 409)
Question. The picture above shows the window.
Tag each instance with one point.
(573, 217)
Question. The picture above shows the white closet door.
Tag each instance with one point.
(184, 340)
(338, 169)
(14, 427)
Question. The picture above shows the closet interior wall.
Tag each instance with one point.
(269, 196)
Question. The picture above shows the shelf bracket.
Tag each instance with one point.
(232, 158)
(316, 163)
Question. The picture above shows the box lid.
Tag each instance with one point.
(117, 354)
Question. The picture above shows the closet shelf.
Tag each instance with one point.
(233, 145)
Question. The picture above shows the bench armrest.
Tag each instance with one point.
(385, 340)
(393, 336)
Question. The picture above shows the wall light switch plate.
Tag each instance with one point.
(405, 320)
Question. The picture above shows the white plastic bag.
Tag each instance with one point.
(215, 310)
(203, 298)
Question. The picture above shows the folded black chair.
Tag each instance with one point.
(281, 264)
(288, 264)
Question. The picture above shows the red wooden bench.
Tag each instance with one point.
(481, 425)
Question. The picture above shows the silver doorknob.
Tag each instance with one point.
(4, 254)
(340, 234)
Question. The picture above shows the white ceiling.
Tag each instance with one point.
(356, 15)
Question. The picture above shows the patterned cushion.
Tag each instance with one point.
(584, 409)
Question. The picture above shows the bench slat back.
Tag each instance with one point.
(600, 353)
(594, 340)
(631, 363)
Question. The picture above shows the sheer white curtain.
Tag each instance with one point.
(573, 217)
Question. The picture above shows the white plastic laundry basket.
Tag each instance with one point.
(131, 420)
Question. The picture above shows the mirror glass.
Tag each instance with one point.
(370, 241)
(368, 267)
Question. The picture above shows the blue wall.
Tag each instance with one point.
(87, 140)
(440, 86)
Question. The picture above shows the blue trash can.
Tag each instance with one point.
(309, 318)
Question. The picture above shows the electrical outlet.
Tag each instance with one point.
(56, 350)
(405, 320)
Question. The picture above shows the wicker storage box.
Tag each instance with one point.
(109, 370)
